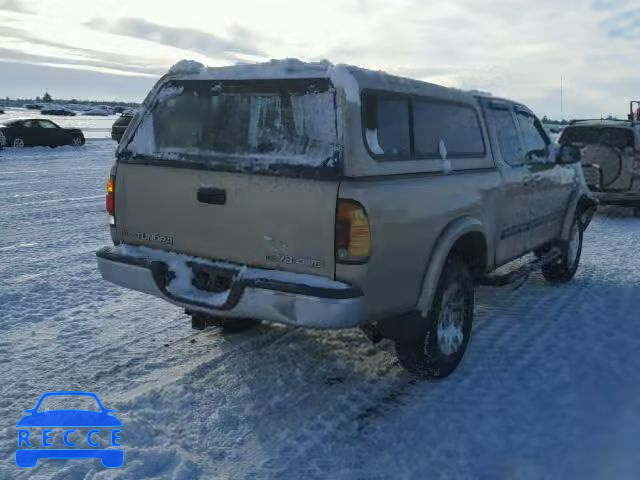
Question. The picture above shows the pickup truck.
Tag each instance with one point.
(330, 197)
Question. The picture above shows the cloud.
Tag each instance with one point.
(13, 6)
(28, 80)
(625, 24)
(7, 54)
(240, 40)
(74, 56)
(512, 48)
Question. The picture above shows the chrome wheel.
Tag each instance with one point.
(76, 141)
(3, 140)
(450, 324)
(18, 142)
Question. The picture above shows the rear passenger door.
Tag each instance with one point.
(514, 210)
(550, 184)
(50, 133)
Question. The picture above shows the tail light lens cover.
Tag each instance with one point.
(353, 233)
(636, 160)
(110, 200)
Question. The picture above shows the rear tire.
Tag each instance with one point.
(566, 267)
(17, 142)
(199, 321)
(444, 334)
(77, 141)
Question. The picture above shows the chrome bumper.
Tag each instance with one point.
(289, 303)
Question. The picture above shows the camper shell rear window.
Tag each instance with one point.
(274, 126)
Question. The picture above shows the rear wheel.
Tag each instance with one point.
(77, 141)
(18, 142)
(200, 321)
(565, 268)
(445, 332)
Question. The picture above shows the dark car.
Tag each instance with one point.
(38, 132)
(61, 111)
(120, 125)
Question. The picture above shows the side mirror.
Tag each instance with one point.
(568, 154)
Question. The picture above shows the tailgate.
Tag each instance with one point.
(257, 220)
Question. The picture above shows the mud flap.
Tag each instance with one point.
(402, 329)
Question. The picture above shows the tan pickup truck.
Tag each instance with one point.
(336, 197)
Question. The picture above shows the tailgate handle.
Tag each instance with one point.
(212, 196)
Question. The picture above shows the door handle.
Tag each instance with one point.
(212, 196)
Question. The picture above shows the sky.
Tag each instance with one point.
(116, 50)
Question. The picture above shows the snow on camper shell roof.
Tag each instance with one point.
(350, 78)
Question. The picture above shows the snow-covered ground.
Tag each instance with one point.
(549, 387)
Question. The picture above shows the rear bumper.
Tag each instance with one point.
(263, 298)
(631, 198)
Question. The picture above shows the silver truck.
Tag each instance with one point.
(610, 158)
(333, 197)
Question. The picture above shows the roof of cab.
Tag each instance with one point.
(352, 79)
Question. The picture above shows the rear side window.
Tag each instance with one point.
(412, 128)
(456, 125)
(393, 127)
(613, 137)
(507, 134)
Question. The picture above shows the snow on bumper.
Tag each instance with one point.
(283, 297)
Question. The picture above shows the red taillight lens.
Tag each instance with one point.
(353, 233)
(110, 198)
(636, 160)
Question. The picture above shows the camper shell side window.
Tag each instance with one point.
(399, 127)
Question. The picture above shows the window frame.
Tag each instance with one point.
(518, 109)
(46, 120)
(504, 106)
(411, 99)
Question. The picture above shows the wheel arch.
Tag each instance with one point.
(582, 203)
(466, 238)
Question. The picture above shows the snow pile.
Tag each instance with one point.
(340, 75)
(186, 66)
(372, 141)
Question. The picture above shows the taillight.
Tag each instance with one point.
(636, 160)
(110, 199)
(353, 233)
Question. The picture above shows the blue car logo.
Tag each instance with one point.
(99, 429)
